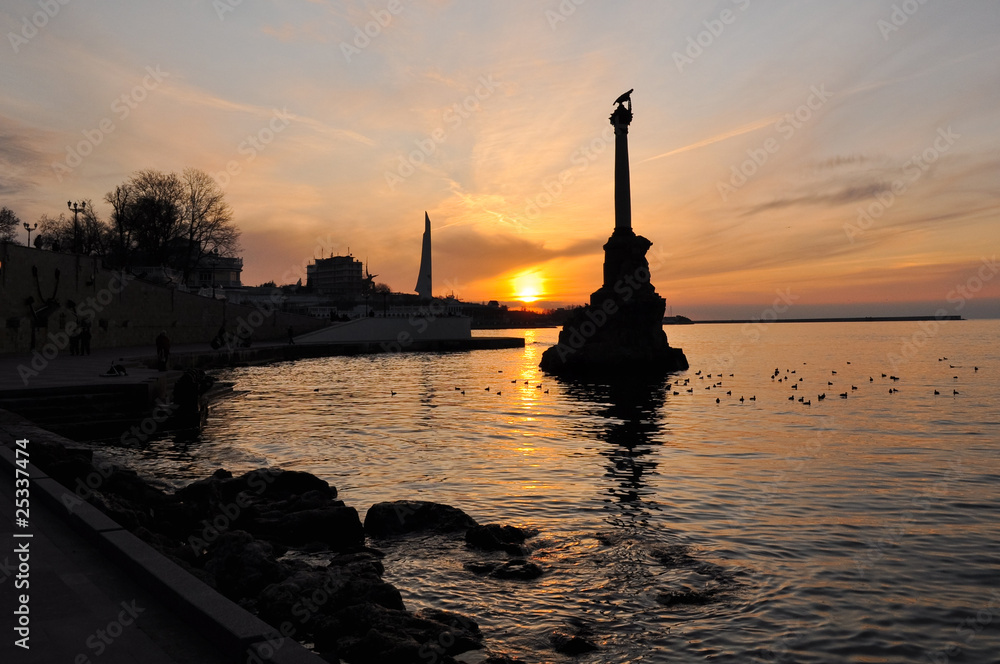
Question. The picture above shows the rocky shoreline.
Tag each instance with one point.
(256, 539)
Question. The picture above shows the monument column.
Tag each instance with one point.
(619, 335)
(620, 119)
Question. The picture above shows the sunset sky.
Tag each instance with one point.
(761, 131)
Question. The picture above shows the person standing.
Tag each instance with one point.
(162, 350)
(85, 338)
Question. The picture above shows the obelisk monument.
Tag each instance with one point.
(423, 286)
(620, 333)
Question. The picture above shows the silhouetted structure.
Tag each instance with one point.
(423, 287)
(336, 276)
(620, 333)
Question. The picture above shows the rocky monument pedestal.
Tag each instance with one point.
(620, 332)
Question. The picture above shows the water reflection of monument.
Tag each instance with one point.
(620, 333)
(632, 414)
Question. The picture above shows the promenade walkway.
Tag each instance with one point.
(24, 371)
(96, 593)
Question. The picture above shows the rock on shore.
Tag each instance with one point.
(233, 533)
(401, 517)
(282, 545)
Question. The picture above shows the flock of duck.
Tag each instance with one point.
(791, 377)
(488, 388)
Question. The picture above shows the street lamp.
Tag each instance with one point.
(29, 229)
(76, 208)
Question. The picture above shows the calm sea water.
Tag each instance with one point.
(675, 528)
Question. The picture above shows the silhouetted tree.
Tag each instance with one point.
(95, 234)
(122, 243)
(165, 219)
(155, 214)
(382, 288)
(9, 225)
(207, 220)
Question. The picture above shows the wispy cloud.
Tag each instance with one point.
(739, 131)
(843, 196)
(22, 157)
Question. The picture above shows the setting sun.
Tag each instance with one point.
(528, 287)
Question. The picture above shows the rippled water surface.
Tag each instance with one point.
(858, 529)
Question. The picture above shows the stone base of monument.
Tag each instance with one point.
(620, 333)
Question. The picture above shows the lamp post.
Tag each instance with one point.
(77, 208)
(29, 229)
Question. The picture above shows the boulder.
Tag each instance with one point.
(240, 565)
(516, 569)
(401, 517)
(494, 537)
(296, 483)
(307, 594)
(380, 635)
(204, 492)
(365, 559)
(123, 511)
(264, 487)
(571, 644)
(482, 569)
(501, 658)
(339, 527)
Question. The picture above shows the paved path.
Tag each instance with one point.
(99, 595)
(25, 371)
(76, 595)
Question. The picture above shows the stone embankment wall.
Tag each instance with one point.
(45, 295)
